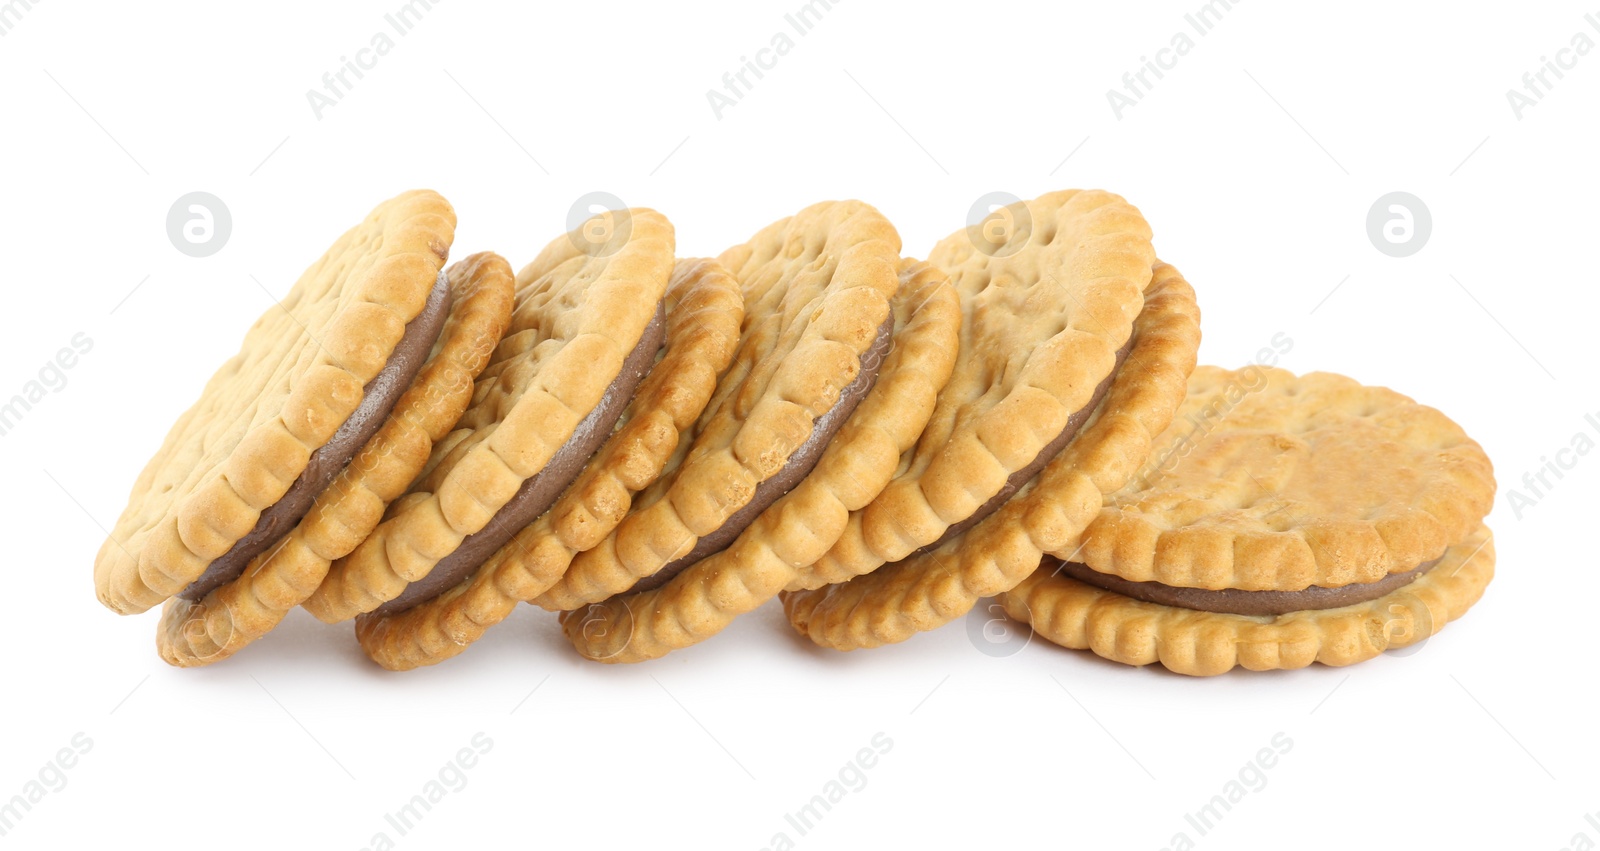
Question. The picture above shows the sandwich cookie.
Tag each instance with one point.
(227, 609)
(703, 312)
(315, 378)
(1049, 291)
(794, 530)
(1291, 520)
(816, 289)
(586, 327)
(930, 588)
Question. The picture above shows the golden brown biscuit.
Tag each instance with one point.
(582, 310)
(817, 289)
(199, 632)
(1073, 614)
(1269, 481)
(1048, 296)
(298, 377)
(932, 588)
(704, 310)
(797, 528)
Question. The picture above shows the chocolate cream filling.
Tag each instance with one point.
(377, 400)
(541, 490)
(794, 470)
(1016, 480)
(1254, 603)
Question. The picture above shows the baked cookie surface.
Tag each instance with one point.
(817, 288)
(800, 525)
(703, 313)
(214, 627)
(298, 376)
(582, 308)
(1049, 293)
(929, 589)
(1272, 482)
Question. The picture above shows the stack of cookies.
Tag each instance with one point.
(653, 445)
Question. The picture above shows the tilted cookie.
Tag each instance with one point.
(1281, 519)
(817, 288)
(315, 378)
(587, 327)
(703, 312)
(799, 526)
(931, 588)
(198, 629)
(1049, 290)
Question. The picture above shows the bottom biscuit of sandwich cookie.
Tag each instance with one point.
(848, 468)
(1080, 616)
(929, 589)
(703, 313)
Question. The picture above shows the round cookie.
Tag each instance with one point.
(817, 288)
(237, 612)
(929, 589)
(1083, 617)
(586, 326)
(704, 310)
(304, 371)
(1049, 292)
(797, 528)
(1272, 482)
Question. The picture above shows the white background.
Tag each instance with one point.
(1255, 159)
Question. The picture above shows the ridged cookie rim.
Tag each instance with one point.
(240, 612)
(797, 528)
(1138, 546)
(700, 344)
(1079, 616)
(923, 592)
(841, 320)
(621, 299)
(223, 507)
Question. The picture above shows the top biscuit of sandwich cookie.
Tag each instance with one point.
(204, 629)
(797, 528)
(1049, 290)
(703, 312)
(584, 310)
(1272, 482)
(1266, 479)
(298, 376)
(817, 287)
(932, 587)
